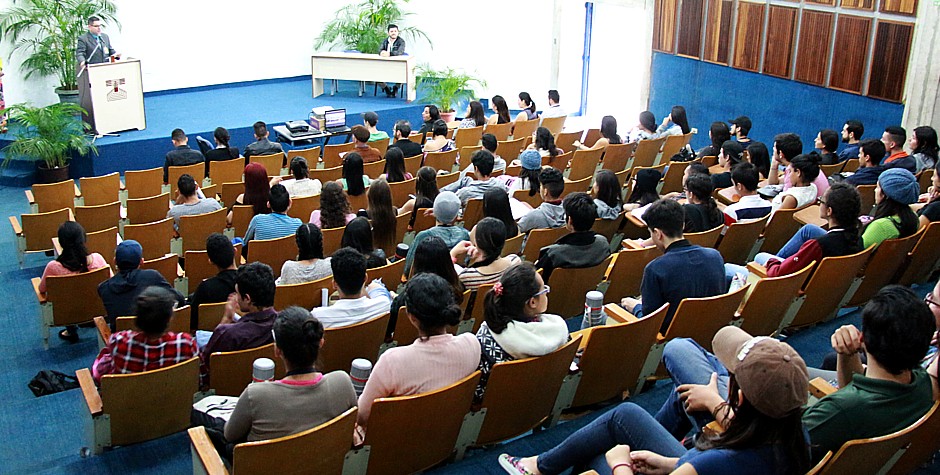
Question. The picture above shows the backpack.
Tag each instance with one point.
(685, 154)
(50, 381)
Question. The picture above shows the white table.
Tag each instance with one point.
(363, 67)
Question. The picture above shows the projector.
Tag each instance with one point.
(297, 126)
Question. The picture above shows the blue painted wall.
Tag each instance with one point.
(711, 92)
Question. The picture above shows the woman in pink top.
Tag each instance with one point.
(74, 259)
(436, 359)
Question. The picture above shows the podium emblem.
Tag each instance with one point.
(116, 92)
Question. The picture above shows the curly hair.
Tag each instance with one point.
(334, 206)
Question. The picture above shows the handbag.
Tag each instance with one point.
(50, 381)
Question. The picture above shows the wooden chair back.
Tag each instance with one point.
(673, 179)
(447, 178)
(554, 124)
(705, 238)
(422, 222)
(539, 238)
(571, 284)
(827, 287)
(272, 163)
(413, 164)
(616, 156)
(644, 155)
(61, 292)
(311, 154)
(194, 229)
(332, 238)
(468, 137)
(523, 195)
(769, 300)
(779, 230)
(241, 218)
(229, 192)
(98, 217)
(327, 174)
(524, 128)
(559, 162)
(302, 207)
(359, 202)
(883, 266)
(40, 228)
(167, 266)
(331, 154)
(830, 170)
(441, 161)
(520, 394)
(476, 307)
(404, 333)
(700, 318)
(148, 209)
(199, 268)
(390, 274)
(231, 370)
(925, 178)
(509, 150)
(273, 252)
(583, 184)
(196, 170)
(473, 213)
(307, 294)
(210, 315)
(179, 322)
(513, 245)
(143, 183)
(584, 163)
(149, 405)
(629, 343)
(401, 190)
(591, 136)
(401, 228)
(465, 155)
(923, 258)
(867, 192)
(672, 145)
(226, 171)
(54, 196)
(381, 145)
(924, 443)
(291, 454)
(626, 275)
(500, 131)
(566, 140)
(359, 340)
(99, 190)
(104, 242)
(739, 240)
(430, 440)
(607, 227)
(374, 170)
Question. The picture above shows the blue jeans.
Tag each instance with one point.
(688, 363)
(807, 232)
(625, 424)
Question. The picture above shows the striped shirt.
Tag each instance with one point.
(472, 277)
(271, 226)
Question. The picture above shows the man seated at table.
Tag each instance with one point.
(403, 142)
(181, 154)
(394, 45)
(262, 146)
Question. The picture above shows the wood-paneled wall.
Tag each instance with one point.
(781, 30)
(718, 31)
(664, 26)
(848, 70)
(892, 50)
(812, 57)
(748, 36)
(690, 35)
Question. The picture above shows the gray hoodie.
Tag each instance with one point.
(547, 215)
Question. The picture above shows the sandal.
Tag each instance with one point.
(69, 336)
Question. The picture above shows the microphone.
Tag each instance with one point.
(97, 45)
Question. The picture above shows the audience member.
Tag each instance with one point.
(395, 167)
(301, 185)
(489, 143)
(527, 105)
(366, 153)
(257, 191)
(403, 140)
(277, 223)
(750, 205)
(718, 133)
(675, 123)
(931, 211)
(757, 154)
(803, 172)
(645, 184)
(222, 151)
(582, 247)
(370, 120)
(549, 214)
(357, 302)
(181, 154)
(310, 264)
(544, 143)
(894, 138)
(354, 179)
(446, 207)
(608, 135)
(358, 236)
(334, 209)
(851, 136)
(501, 111)
(924, 147)
(439, 141)
(476, 116)
(554, 106)
(217, 288)
(431, 256)
(826, 144)
(786, 148)
(383, 215)
(119, 293)
(429, 116)
(730, 154)
(496, 205)
(607, 197)
(468, 188)
(870, 154)
(478, 260)
(739, 129)
(528, 179)
(645, 129)
(892, 217)
(425, 192)
(701, 212)
(262, 146)
(188, 201)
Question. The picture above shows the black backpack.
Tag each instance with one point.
(50, 381)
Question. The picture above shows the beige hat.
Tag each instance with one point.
(771, 373)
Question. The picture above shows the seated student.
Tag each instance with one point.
(468, 188)
(395, 167)
(528, 179)
(608, 132)
(257, 192)
(606, 192)
(701, 212)
(496, 205)
(786, 148)
(516, 325)
(683, 271)
(436, 359)
(403, 141)
(370, 120)
(756, 153)
(431, 256)
(357, 302)
(839, 207)
(870, 154)
(892, 217)
(739, 129)
(931, 211)
(254, 300)
(188, 201)
(528, 108)
(544, 143)
(446, 207)
(275, 224)
(429, 116)
(383, 215)
(676, 123)
(645, 183)
(924, 147)
(358, 236)
(645, 129)
(730, 154)
(301, 185)
(150, 348)
(181, 154)
(119, 293)
(425, 192)
(764, 436)
(222, 151)
(262, 146)
(826, 144)
(217, 288)
(894, 138)
(582, 247)
(354, 179)
(718, 133)
(804, 170)
(303, 399)
(489, 143)
(501, 108)
(310, 264)
(439, 141)
(554, 108)
(851, 136)
(334, 209)
(931, 362)
(750, 205)
(549, 214)
(481, 254)
(361, 138)
(475, 116)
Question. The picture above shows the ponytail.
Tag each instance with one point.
(506, 302)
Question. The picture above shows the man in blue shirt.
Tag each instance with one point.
(277, 224)
(870, 154)
(851, 135)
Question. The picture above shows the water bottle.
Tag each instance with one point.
(593, 306)
(401, 252)
(361, 369)
(262, 370)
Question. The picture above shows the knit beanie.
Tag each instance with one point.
(899, 185)
(531, 160)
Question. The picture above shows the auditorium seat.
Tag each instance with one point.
(472, 213)
(148, 209)
(327, 174)
(672, 182)
(883, 266)
(272, 163)
(513, 245)
(210, 315)
(144, 183)
(566, 140)
(523, 129)
(96, 218)
(422, 221)
(468, 137)
(922, 260)
(359, 202)
(241, 218)
(830, 170)
(359, 340)
(571, 285)
(867, 192)
(626, 274)
(523, 195)
(559, 162)
(381, 145)
(374, 170)
(447, 178)
(583, 185)
(413, 163)
(584, 163)
(390, 274)
(700, 318)
(311, 154)
(924, 178)
(230, 371)
(500, 131)
(273, 252)
(645, 153)
(741, 240)
(99, 190)
(477, 308)
(194, 229)
(591, 136)
(37, 230)
(404, 333)
(923, 443)
(616, 157)
(608, 227)
(554, 124)
(196, 170)
(705, 238)
(179, 322)
(672, 145)
(103, 242)
(307, 294)
(465, 155)
(302, 207)
(781, 227)
(44, 198)
(770, 300)
(441, 161)
(539, 238)
(226, 171)
(401, 191)
(198, 267)
(167, 266)
(331, 155)
(509, 150)
(59, 307)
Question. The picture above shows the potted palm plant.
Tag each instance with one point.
(446, 88)
(47, 32)
(362, 26)
(48, 136)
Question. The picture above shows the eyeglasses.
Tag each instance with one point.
(929, 301)
(545, 289)
(820, 201)
(99, 25)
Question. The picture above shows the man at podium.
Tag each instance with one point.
(93, 47)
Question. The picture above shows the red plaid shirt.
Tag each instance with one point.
(132, 352)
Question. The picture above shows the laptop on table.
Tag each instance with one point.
(335, 121)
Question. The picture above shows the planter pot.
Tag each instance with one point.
(68, 95)
(448, 117)
(51, 175)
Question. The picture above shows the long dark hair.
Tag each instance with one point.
(426, 185)
(544, 140)
(477, 113)
(533, 178)
(648, 121)
(889, 207)
(644, 190)
(382, 214)
(609, 129)
(490, 237)
(257, 188)
(927, 141)
(679, 118)
(502, 109)
(720, 134)
(518, 286)
(394, 165)
(608, 188)
(334, 206)
(309, 240)
(496, 205)
(74, 255)
(297, 334)
(298, 168)
(807, 164)
(430, 303)
(759, 156)
(358, 235)
(352, 173)
(701, 187)
(222, 137)
(525, 97)
(844, 202)
(750, 428)
(433, 256)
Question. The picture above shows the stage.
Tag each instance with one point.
(198, 111)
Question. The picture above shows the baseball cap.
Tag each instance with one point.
(446, 207)
(742, 121)
(127, 255)
(771, 373)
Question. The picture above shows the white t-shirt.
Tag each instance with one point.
(349, 311)
(553, 111)
(302, 187)
(804, 195)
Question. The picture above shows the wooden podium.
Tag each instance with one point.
(117, 96)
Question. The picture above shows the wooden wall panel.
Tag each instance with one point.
(891, 53)
(812, 58)
(904, 7)
(718, 31)
(848, 67)
(690, 31)
(748, 36)
(664, 26)
(859, 4)
(822, 2)
(781, 30)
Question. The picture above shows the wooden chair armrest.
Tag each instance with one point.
(103, 329)
(713, 428)
(90, 392)
(757, 269)
(619, 314)
(821, 388)
(633, 244)
(123, 186)
(17, 229)
(209, 458)
(78, 191)
(179, 272)
(39, 295)
(29, 196)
